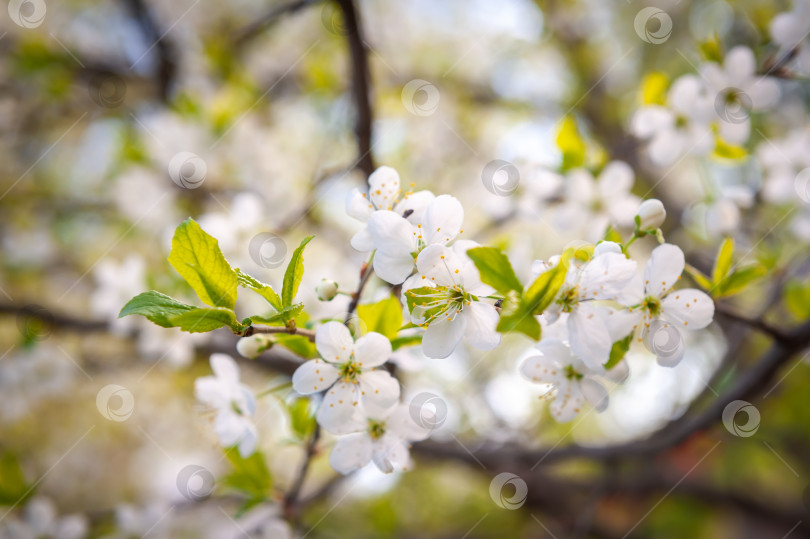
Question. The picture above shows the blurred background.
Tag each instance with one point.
(119, 119)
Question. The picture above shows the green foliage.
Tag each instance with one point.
(570, 144)
(726, 282)
(722, 263)
(199, 320)
(384, 317)
(264, 290)
(797, 298)
(495, 269)
(14, 489)
(405, 340)
(294, 273)
(197, 258)
(250, 477)
(302, 418)
(618, 351)
(297, 344)
(282, 317)
(712, 49)
(156, 307)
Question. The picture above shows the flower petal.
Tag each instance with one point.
(416, 204)
(589, 336)
(225, 368)
(605, 276)
(595, 393)
(568, 402)
(358, 205)
(615, 178)
(688, 308)
(338, 405)
(440, 266)
(739, 65)
(383, 187)
(542, 369)
(362, 240)
(443, 220)
(378, 389)
(390, 453)
(391, 233)
(372, 350)
(663, 269)
(441, 338)
(313, 376)
(334, 342)
(351, 452)
(393, 268)
(481, 321)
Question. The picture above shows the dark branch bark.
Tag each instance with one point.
(361, 85)
(166, 51)
(261, 24)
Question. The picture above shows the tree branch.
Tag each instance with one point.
(261, 24)
(269, 330)
(166, 51)
(361, 85)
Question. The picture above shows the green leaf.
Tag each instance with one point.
(293, 274)
(618, 351)
(405, 340)
(712, 49)
(722, 263)
(297, 344)
(197, 258)
(699, 277)
(282, 317)
(14, 489)
(383, 317)
(737, 281)
(544, 289)
(200, 320)
(611, 234)
(654, 88)
(521, 321)
(495, 269)
(264, 290)
(156, 307)
(302, 420)
(797, 298)
(570, 144)
(250, 476)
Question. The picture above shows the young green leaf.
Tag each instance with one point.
(495, 269)
(297, 344)
(738, 280)
(282, 317)
(570, 144)
(384, 317)
(797, 298)
(699, 278)
(618, 351)
(197, 258)
(156, 307)
(202, 320)
(543, 290)
(264, 290)
(14, 489)
(722, 263)
(293, 274)
(302, 420)
(250, 476)
(405, 340)
(522, 321)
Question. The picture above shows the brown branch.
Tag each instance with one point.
(53, 320)
(166, 51)
(261, 24)
(756, 323)
(291, 505)
(365, 276)
(361, 85)
(269, 330)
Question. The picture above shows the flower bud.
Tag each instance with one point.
(326, 290)
(251, 347)
(651, 214)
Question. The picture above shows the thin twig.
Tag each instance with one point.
(261, 24)
(365, 275)
(291, 330)
(756, 323)
(291, 505)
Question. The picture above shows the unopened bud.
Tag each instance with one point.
(326, 290)
(651, 214)
(251, 347)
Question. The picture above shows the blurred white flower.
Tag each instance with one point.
(789, 31)
(40, 520)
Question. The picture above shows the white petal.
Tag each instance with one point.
(589, 337)
(688, 308)
(391, 233)
(665, 147)
(607, 247)
(663, 269)
(338, 406)
(393, 268)
(401, 423)
(362, 240)
(351, 452)
(225, 368)
(314, 375)
(684, 92)
(372, 350)
(764, 93)
(390, 453)
(568, 402)
(443, 220)
(622, 322)
(543, 369)
(440, 265)
(441, 338)
(383, 187)
(616, 178)
(379, 389)
(416, 204)
(735, 133)
(334, 342)
(606, 275)
(210, 390)
(595, 393)
(619, 373)
(739, 65)
(649, 120)
(358, 205)
(481, 321)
